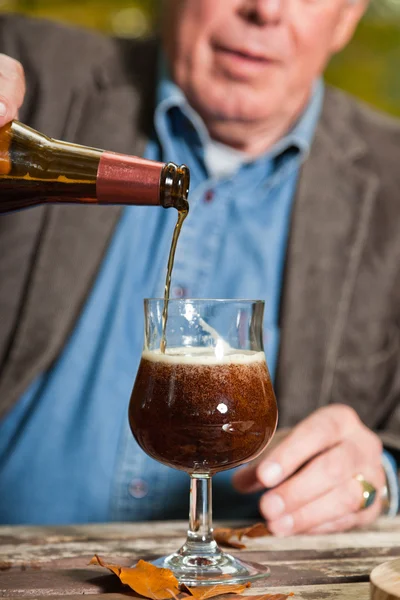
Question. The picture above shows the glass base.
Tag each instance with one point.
(211, 569)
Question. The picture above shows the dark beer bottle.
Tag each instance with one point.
(36, 169)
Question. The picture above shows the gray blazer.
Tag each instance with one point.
(340, 312)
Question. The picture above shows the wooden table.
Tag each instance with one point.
(49, 562)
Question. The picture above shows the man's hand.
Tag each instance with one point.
(12, 88)
(312, 473)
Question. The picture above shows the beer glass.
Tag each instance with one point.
(204, 405)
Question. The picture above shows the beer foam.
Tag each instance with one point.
(203, 356)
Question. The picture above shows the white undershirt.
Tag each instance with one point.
(222, 160)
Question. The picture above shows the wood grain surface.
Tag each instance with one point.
(50, 562)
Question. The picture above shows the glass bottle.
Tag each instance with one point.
(36, 169)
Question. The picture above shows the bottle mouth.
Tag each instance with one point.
(175, 182)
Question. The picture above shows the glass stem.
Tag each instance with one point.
(200, 548)
(200, 514)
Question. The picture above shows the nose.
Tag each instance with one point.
(262, 12)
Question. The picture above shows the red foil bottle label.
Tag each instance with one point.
(123, 179)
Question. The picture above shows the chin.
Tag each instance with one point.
(230, 101)
(239, 108)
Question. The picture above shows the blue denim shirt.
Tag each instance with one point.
(66, 452)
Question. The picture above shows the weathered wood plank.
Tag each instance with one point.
(80, 578)
(350, 591)
(177, 529)
(62, 556)
(344, 556)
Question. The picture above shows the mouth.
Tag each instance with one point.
(243, 54)
(242, 62)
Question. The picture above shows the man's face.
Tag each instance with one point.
(248, 60)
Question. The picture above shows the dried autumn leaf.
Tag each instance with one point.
(224, 535)
(254, 531)
(209, 591)
(151, 581)
(145, 579)
(96, 560)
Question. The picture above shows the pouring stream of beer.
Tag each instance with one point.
(182, 214)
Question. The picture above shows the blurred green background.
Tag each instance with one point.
(369, 68)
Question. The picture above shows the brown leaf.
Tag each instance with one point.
(4, 566)
(254, 531)
(145, 579)
(209, 591)
(96, 560)
(224, 535)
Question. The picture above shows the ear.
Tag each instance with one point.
(349, 18)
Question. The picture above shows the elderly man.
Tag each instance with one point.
(294, 200)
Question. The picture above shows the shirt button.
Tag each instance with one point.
(138, 488)
(209, 196)
(180, 292)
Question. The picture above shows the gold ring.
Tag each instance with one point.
(368, 492)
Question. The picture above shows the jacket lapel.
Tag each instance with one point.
(73, 239)
(328, 232)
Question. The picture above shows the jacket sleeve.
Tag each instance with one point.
(389, 431)
(390, 434)
(57, 61)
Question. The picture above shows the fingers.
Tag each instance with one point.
(321, 430)
(322, 474)
(12, 88)
(331, 509)
(342, 524)
(312, 473)
(349, 521)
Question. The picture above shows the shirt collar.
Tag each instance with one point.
(302, 133)
(169, 96)
(221, 160)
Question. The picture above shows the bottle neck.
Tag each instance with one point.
(123, 179)
(174, 186)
